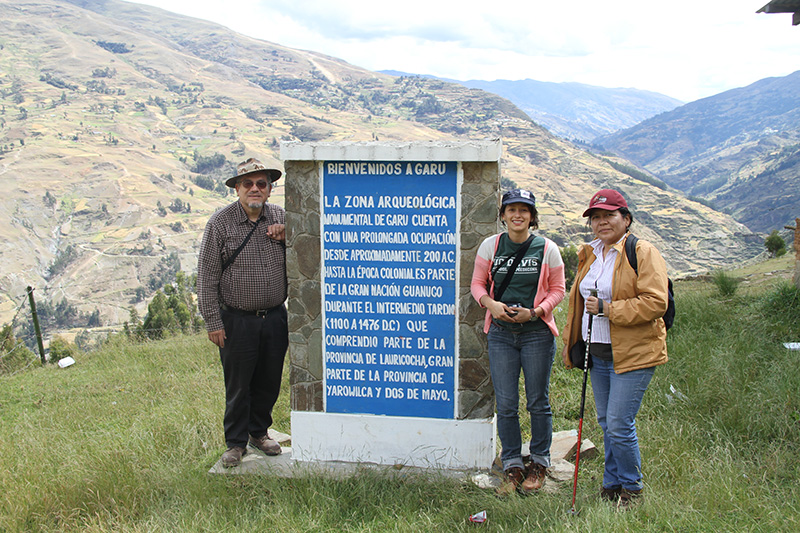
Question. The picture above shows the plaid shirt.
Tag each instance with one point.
(256, 280)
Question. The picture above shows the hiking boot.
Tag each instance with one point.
(534, 480)
(233, 456)
(266, 444)
(511, 480)
(610, 495)
(628, 498)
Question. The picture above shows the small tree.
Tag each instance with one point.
(775, 244)
(61, 348)
(14, 355)
(569, 254)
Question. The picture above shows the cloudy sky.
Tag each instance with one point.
(687, 49)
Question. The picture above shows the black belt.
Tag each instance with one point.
(259, 312)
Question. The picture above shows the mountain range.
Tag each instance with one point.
(575, 111)
(739, 150)
(119, 122)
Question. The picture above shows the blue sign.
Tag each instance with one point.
(389, 251)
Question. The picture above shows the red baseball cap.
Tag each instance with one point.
(607, 199)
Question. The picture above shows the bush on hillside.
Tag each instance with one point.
(726, 284)
(114, 48)
(171, 311)
(207, 164)
(775, 244)
(61, 348)
(165, 271)
(14, 355)
(781, 308)
(569, 255)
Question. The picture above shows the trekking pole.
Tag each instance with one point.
(572, 511)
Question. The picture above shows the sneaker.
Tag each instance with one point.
(233, 456)
(628, 498)
(511, 480)
(266, 444)
(610, 495)
(534, 480)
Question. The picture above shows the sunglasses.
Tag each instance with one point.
(261, 184)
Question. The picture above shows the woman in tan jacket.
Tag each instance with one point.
(628, 334)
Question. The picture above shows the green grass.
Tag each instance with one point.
(123, 441)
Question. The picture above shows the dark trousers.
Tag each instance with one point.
(252, 362)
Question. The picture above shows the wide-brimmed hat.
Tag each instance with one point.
(519, 195)
(607, 199)
(251, 166)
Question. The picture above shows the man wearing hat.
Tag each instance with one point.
(241, 289)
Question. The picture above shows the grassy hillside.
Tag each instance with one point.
(122, 441)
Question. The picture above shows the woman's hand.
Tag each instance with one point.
(516, 315)
(501, 311)
(592, 304)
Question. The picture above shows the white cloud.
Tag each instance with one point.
(684, 48)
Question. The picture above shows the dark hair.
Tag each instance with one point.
(624, 211)
(534, 215)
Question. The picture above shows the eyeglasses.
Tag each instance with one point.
(261, 184)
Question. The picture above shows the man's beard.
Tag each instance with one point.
(255, 205)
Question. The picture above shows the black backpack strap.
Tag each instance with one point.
(498, 294)
(233, 256)
(630, 251)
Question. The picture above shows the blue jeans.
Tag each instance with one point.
(533, 353)
(617, 398)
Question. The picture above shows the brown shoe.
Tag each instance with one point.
(233, 456)
(534, 480)
(610, 495)
(511, 480)
(628, 498)
(266, 444)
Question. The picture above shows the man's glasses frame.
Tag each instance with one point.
(261, 184)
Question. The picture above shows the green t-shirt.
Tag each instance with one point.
(525, 281)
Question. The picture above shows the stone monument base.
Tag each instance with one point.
(388, 440)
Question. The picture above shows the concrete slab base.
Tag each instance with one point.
(286, 466)
(561, 471)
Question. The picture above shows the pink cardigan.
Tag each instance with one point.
(549, 292)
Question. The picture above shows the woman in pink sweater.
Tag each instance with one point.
(519, 302)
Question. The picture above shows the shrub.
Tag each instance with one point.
(726, 284)
(569, 255)
(61, 348)
(782, 306)
(775, 244)
(114, 48)
(14, 355)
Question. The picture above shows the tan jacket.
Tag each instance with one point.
(638, 333)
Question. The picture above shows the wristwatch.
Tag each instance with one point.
(533, 316)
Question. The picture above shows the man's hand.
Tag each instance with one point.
(217, 337)
(277, 232)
